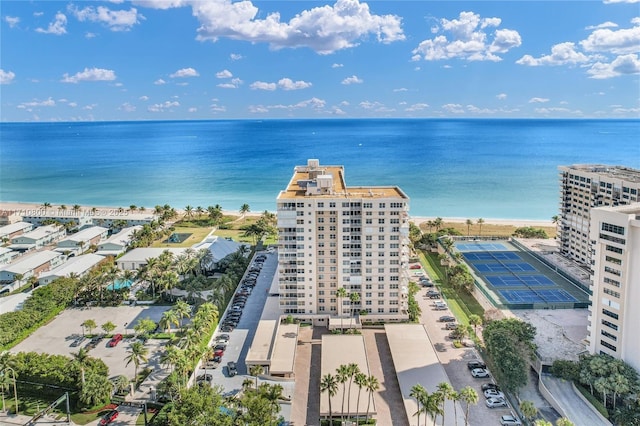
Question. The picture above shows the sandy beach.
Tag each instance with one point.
(25, 208)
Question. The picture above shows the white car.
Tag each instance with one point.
(479, 373)
(492, 393)
(495, 402)
(510, 420)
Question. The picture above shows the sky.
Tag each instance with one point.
(222, 59)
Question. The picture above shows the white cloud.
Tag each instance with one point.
(6, 77)
(336, 111)
(468, 40)
(337, 66)
(34, 104)
(370, 105)
(417, 107)
(625, 64)
(217, 108)
(325, 29)
(56, 27)
(185, 72)
(288, 84)
(143, 98)
(538, 100)
(89, 107)
(193, 109)
(453, 108)
(73, 104)
(401, 89)
(224, 74)
(352, 80)
(159, 82)
(561, 54)
(501, 96)
(116, 20)
(261, 85)
(236, 56)
(620, 1)
(344, 103)
(477, 110)
(166, 105)
(607, 24)
(90, 74)
(311, 103)
(13, 21)
(618, 42)
(235, 83)
(127, 107)
(90, 35)
(258, 109)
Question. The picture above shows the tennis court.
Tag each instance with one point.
(516, 279)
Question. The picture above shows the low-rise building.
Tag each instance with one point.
(7, 255)
(14, 230)
(82, 240)
(117, 220)
(117, 243)
(137, 258)
(7, 217)
(38, 217)
(38, 238)
(30, 265)
(78, 266)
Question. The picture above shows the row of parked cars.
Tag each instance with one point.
(494, 397)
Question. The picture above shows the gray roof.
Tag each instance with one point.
(14, 227)
(142, 254)
(75, 265)
(30, 262)
(123, 237)
(86, 234)
(40, 232)
(222, 247)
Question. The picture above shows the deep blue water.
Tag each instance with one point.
(449, 168)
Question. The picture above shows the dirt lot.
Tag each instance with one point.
(57, 336)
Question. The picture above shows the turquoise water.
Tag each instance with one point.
(460, 168)
(119, 284)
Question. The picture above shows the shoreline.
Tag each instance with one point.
(18, 206)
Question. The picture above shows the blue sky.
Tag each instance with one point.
(221, 59)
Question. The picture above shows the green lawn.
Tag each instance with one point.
(197, 234)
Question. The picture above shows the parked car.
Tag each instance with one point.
(218, 352)
(471, 365)
(510, 420)
(226, 328)
(115, 340)
(451, 326)
(220, 346)
(440, 306)
(204, 378)
(223, 338)
(479, 373)
(232, 368)
(487, 386)
(447, 318)
(415, 266)
(492, 393)
(109, 417)
(496, 402)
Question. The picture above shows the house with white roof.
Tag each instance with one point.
(62, 216)
(115, 219)
(137, 258)
(77, 265)
(7, 217)
(7, 255)
(30, 265)
(220, 248)
(82, 240)
(14, 230)
(117, 243)
(38, 238)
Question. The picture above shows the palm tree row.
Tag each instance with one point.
(349, 373)
(433, 404)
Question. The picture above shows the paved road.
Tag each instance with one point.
(579, 412)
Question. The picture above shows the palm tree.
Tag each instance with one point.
(418, 391)
(244, 209)
(89, 325)
(446, 390)
(480, 222)
(352, 370)
(372, 386)
(361, 381)
(354, 298)
(475, 321)
(555, 219)
(183, 310)
(137, 354)
(342, 376)
(108, 327)
(255, 371)
(188, 211)
(199, 211)
(469, 223)
(469, 396)
(76, 208)
(96, 389)
(170, 356)
(528, 409)
(133, 207)
(340, 294)
(169, 317)
(46, 206)
(5, 382)
(329, 384)
(81, 357)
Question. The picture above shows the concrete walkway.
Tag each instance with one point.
(576, 410)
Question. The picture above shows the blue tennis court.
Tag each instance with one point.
(520, 281)
(502, 255)
(537, 296)
(480, 246)
(504, 267)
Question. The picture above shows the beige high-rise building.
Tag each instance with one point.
(614, 317)
(583, 187)
(333, 236)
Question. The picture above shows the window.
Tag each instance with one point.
(613, 260)
(612, 271)
(612, 282)
(382, 205)
(610, 325)
(609, 335)
(612, 228)
(614, 249)
(610, 314)
(612, 293)
(607, 345)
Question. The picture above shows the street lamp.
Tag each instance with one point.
(15, 391)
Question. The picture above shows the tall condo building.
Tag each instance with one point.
(332, 236)
(583, 187)
(614, 316)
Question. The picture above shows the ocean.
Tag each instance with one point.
(449, 168)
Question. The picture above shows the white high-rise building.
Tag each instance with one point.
(332, 236)
(614, 317)
(583, 187)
